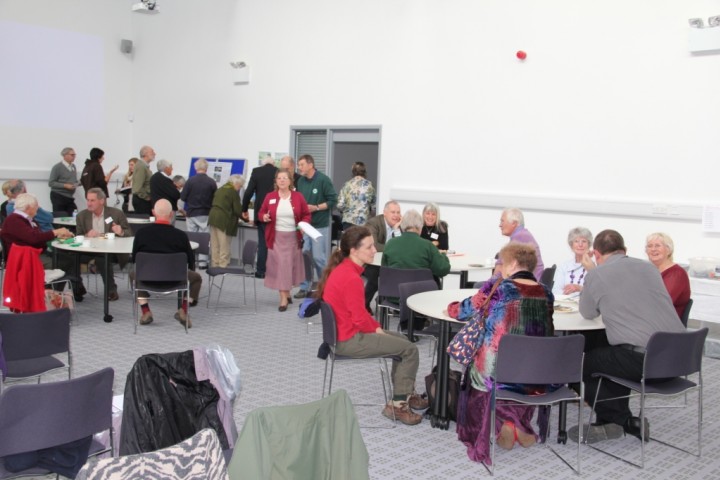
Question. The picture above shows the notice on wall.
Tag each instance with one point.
(220, 171)
(711, 218)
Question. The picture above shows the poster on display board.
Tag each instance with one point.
(220, 169)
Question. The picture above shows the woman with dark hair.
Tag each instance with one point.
(518, 305)
(356, 199)
(435, 229)
(358, 334)
(282, 211)
(93, 175)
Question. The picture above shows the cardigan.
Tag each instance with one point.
(226, 210)
(270, 205)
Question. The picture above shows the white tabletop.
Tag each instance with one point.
(70, 221)
(458, 262)
(434, 305)
(101, 245)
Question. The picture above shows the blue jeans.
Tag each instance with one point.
(319, 251)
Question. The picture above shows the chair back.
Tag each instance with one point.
(548, 277)
(328, 324)
(33, 335)
(674, 354)
(409, 289)
(539, 360)
(686, 313)
(203, 241)
(161, 267)
(391, 278)
(37, 416)
(248, 254)
(200, 457)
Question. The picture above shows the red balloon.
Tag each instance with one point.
(521, 55)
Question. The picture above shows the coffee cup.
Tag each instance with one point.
(80, 238)
(110, 236)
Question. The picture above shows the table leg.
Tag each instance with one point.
(439, 418)
(411, 327)
(106, 304)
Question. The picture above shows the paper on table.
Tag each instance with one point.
(309, 230)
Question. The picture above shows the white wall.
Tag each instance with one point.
(29, 153)
(608, 104)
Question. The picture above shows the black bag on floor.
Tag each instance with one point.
(454, 381)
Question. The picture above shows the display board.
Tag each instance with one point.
(220, 169)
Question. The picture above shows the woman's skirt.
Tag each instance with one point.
(285, 266)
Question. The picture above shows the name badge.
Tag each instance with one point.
(434, 236)
(273, 201)
(109, 220)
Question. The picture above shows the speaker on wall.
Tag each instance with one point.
(126, 46)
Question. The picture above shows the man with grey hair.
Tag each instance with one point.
(512, 224)
(198, 196)
(97, 220)
(63, 181)
(383, 227)
(162, 185)
(288, 163)
(410, 250)
(141, 181)
(262, 182)
(42, 217)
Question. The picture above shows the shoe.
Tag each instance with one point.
(78, 297)
(289, 300)
(632, 427)
(112, 296)
(418, 402)
(506, 437)
(282, 308)
(524, 439)
(182, 317)
(402, 413)
(203, 266)
(193, 303)
(80, 289)
(146, 318)
(300, 294)
(596, 433)
(259, 275)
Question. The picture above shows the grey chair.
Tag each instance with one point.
(32, 340)
(35, 417)
(389, 292)
(548, 277)
(523, 359)
(203, 241)
(246, 270)
(200, 457)
(669, 359)
(686, 313)
(160, 273)
(406, 315)
(330, 338)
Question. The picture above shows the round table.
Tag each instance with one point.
(434, 304)
(98, 246)
(70, 221)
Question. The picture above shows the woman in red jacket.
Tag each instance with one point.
(282, 210)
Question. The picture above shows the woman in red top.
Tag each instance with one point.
(659, 248)
(282, 210)
(358, 334)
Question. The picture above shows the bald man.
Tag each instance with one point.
(162, 237)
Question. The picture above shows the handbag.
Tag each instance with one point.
(463, 346)
(454, 381)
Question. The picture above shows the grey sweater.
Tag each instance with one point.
(59, 176)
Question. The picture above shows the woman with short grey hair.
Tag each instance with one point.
(570, 276)
(223, 220)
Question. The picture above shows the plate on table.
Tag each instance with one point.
(565, 308)
(476, 265)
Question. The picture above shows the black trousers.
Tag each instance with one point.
(61, 203)
(616, 361)
(372, 275)
(141, 206)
